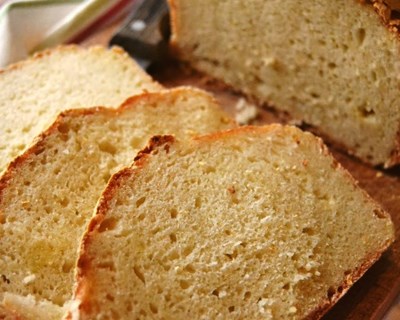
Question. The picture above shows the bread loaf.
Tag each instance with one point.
(332, 64)
(33, 92)
(48, 194)
(252, 223)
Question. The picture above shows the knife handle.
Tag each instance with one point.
(146, 31)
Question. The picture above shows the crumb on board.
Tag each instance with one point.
(245, 112)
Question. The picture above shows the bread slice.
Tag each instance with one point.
(333, 64)
(48, 194)
(252, 223)
(33, 92)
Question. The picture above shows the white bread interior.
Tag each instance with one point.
(332, 64)
(33, 92)
(252, 223)
(48, 194)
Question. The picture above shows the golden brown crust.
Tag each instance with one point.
(83, 265)
(388, 11)
(155, 142)
(174, 49)
(84, 261)
(7, 314)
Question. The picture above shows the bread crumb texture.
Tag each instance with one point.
(333, 64)
(253, 223)
(33, 92)
(49, 193)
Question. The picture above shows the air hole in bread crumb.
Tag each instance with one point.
(173, 212)
(365, 111)
(67, 266)
(188, 250)
(237, 148)
(26, 129)
(139, 274)
(153, 308)
(374, 76)
(234, 199)
(108, 224)
(63, 127)
(140, 201)
(166, 267)
(360, 36)
(295, 257)
(215, 292)
(332, 65)
(331, 292)
(379, 214)
(129, 307)
(141, 217)
(142, 313)
(259, 255)
(174, 255)
(209, 169)
(37, 152)
(109, 297)
(106, 177)
(172, 237)
(109, 265)
(64, 202)
(107, 147)
(247, 295)
(184, 284)
(197, 203)
(231, 309)
(286, 286)
(136, 143)
(347, 272)
(189, 268)
(230, 256)
(228, 232)
(309, 231)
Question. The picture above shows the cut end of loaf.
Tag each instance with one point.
(334, 64)
(251, 222)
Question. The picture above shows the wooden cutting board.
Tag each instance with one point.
(376, 291)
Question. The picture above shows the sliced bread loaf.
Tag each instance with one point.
(333, 64)
(33, 92)
(252, 223)
(48, 194)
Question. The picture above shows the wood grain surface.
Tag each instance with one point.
(377, 290)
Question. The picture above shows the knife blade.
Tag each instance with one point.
(145, 32)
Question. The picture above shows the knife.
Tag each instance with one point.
(145, 32)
